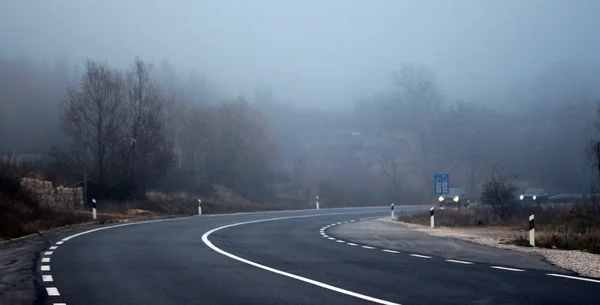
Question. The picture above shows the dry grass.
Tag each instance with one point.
(563, 227)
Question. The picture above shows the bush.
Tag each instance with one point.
(499, 194)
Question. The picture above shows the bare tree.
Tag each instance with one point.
(146, 144)
(389, 165)
(93, 115)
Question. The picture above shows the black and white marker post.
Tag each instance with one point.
(532, 231)
(94, 209)
(431, 217)
(392, 208)
(317, 202)
(199, 206)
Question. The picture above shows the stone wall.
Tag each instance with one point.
(58, 197)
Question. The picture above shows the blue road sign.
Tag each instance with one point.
(441, 183)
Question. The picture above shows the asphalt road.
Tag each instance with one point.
(281, 261)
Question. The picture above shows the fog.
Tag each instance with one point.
(236, 92)
(318, 53)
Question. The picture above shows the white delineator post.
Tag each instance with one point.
(532, 231)
(199, 206)
(431, 217)
(317, 202)
(392, 207)
(94, 209)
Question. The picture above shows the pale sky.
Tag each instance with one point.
(314, 52)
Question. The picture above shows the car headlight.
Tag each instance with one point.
(521, 197)
(534, 197)
(456, 199)
(441, 198)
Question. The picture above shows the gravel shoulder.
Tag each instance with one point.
(406, 238)
(582, 263)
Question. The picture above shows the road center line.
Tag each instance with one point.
(368, 247)
(352, 244)
(389, 251)
(52, 291)
(287, 274)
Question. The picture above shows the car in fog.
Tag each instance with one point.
(455, 197)
(534, 195)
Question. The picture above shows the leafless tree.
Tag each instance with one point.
(94, 116)
(146, 144)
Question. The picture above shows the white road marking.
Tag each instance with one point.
(59, 304)
(368, 247)
(459, 262)
(123, 225)
(45, 268)
(351, 244)
(47, 278)
(45, 259)
(48, 253)
(339, 223)
(574, 277)
(352, 220)
(506, 268)
(419, 255)
(340, 241)
(287, 274)
(390, 251)
(330, 238)
(53, 248)
(52, 291)
(60, 242)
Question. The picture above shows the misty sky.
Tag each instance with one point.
(315, 52)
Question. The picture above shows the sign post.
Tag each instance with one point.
(317, 202)
(199, 206)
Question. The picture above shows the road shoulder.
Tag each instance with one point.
(406, 238)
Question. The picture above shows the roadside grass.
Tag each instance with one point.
(568, 227)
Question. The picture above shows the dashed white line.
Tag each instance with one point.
(420, 256)
(52, 291)
(53, 248)
(60, 242)
(45, 268)
(574, 277)
(47, 278)
(506, 268)
(339, 223)
(389, 251)
(368, 247)
(330, 238)
(352, 244)
(45, 259)
(59, 304)
(352, 220)
(458, 262)
(48, 253)
(340, 241)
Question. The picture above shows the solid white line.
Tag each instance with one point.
(52, 291)
(60, 242)
(419, 255)
(390, 251)
(48, 253)
(506, 268)
(290, 275)
(45, 268)
(368, 247)
(59, 304)
(574, 277)
(340, 241)
(351, 244)
(47, 278)
(123, 225)
(53, 248)
(458, 262)
(45, 259)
